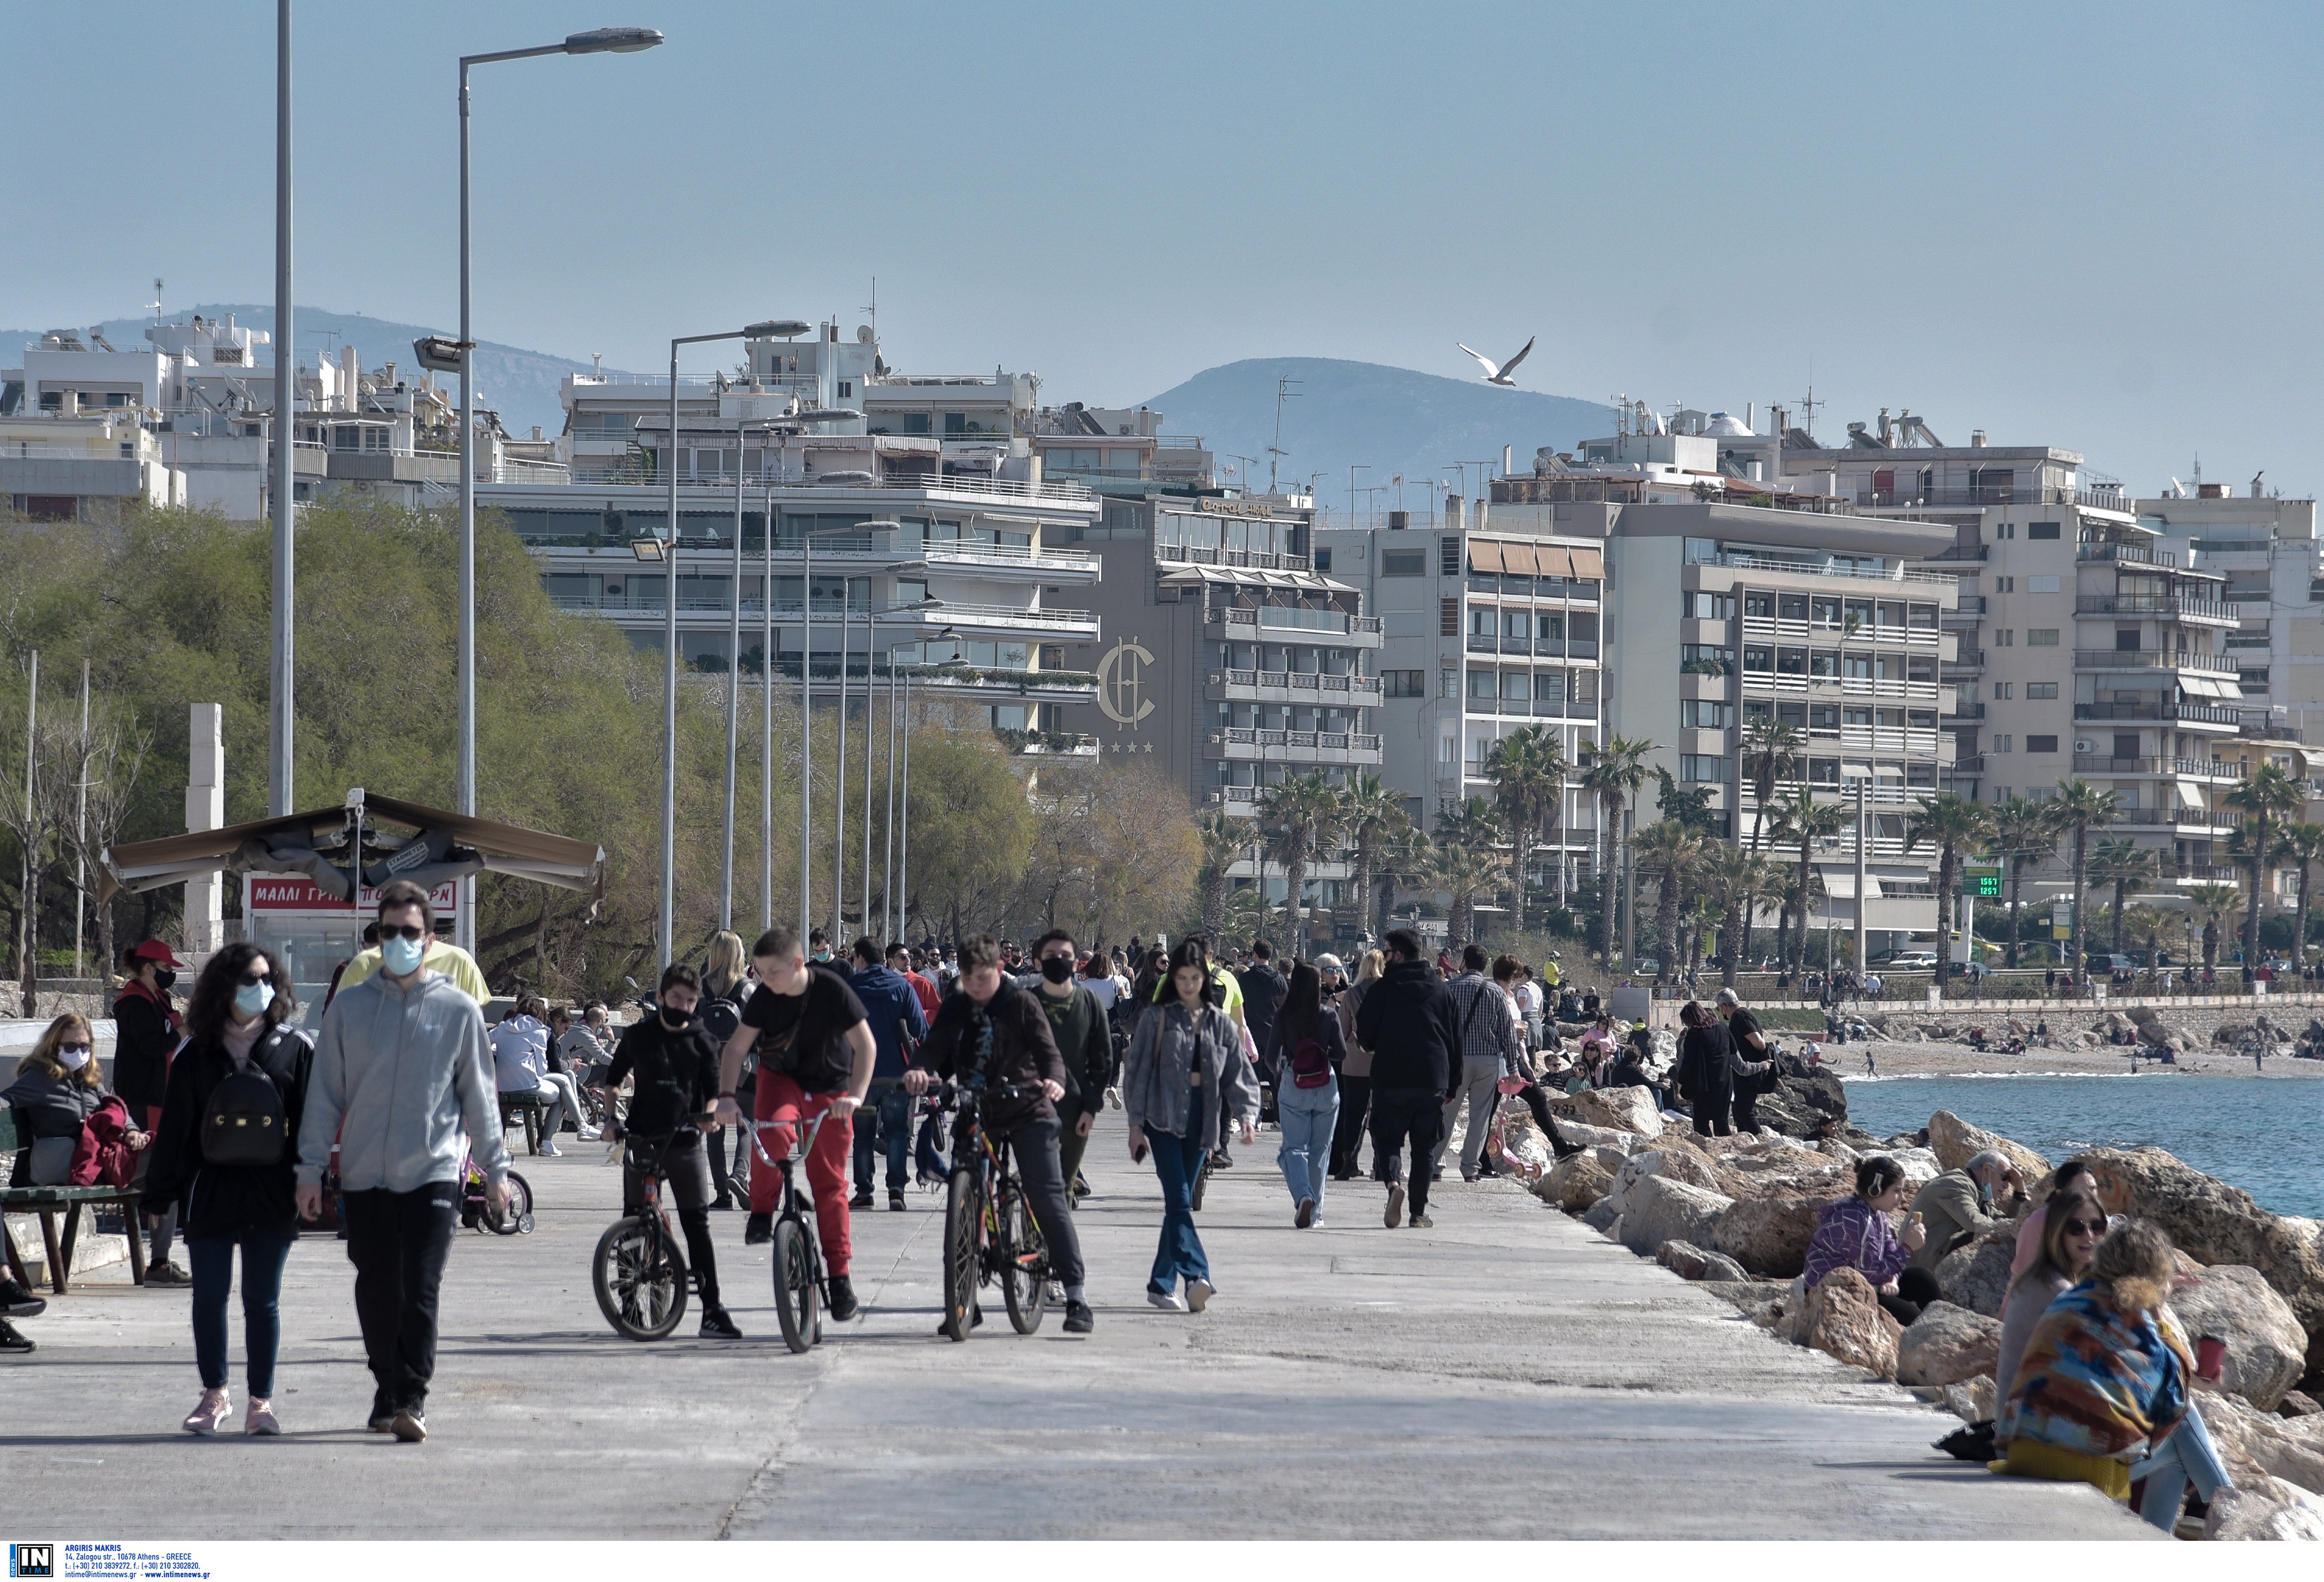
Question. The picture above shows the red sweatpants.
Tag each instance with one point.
(782, 1100)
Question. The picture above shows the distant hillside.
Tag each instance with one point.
(520, 385)
(1389, 420)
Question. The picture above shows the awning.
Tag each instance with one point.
(322, 845)
(1589, 563)
(2211, 686)
(1484, 555)
(1555, 559)
(2191, 797)
(1524, 559)
(1840, 884)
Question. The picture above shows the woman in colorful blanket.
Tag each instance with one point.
(2102, 1394)
(1855, 1233)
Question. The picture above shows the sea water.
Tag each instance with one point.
(2265, 1136)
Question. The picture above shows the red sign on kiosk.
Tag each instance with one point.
(276, 893)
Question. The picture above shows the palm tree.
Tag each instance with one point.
(1226, 840)
(2302, 845)
(1370, 816)
(1613, 777)
(1404, 856)
(2123, 863)
(2080, 807)
(1464, 872)
(1735, 880)
(2147, 923)
(2269, 794)
(2026, 831)
(1301, 814)
(1669, 851)
(1804, 819)
(1956, 826)
(2212, 903)
(1528, 768)
(1772, 752)
(1701, 917)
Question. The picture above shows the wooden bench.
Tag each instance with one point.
(531, 1110)
(49, 1202)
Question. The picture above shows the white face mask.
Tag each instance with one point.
(72, 1057)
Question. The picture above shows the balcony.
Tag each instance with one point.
(1991, 494)
(1240, 622)
(1969, 712)
(2191, 818)
(2169, 713)
(1964, 552)
(1292, 686)
(1244, 743)
(1965, 662)
(2153, 607)
(2135, 553)
(2153, 660)
(1970, 610)
(1539, 708)
(1965, 768)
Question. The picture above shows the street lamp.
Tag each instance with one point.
(807, 713)
(617, 41)
(898, 685)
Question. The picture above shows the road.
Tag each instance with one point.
(1507, 1373)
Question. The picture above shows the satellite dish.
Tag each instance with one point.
(862, 335)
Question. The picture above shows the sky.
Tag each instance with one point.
(2093, 227)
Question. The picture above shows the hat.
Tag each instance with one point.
(154, 949)
(1327, 963)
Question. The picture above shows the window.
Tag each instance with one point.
(2003, 691)
(1759, 606)
(1517, 686)
(1823, 771)
(2040, 529)
(911, 422)
(1706, 606)
(1922, 616)
(1403, 683)
(1921, 775)
(1823, 610)
(1756, 709)
(1704, 714)
(1791, 661)
(1795, 607)
(1704, 768)
(2041, 637)
(1322, 560)
(1759, 656)
(1480, 620)
(1824, 663)
(2005, 639)
(1450, 684)
(1448, 617)
(1403, 563)
(2004, 585)
(846, 388)
(1705, 659)
(2004, 744)
(2041, 584)
(1480, 683)
(2125, 640)
(1824, 716)
(956, 422)
(1859, 666)
(2041, 744)
(1791, 714)
(1448, 555)
(1516, 625)
(1921, 719)
(2251, 680)
(1854, 715)
(2035, 689)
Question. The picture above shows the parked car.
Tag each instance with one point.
(2109, 963)
(1911, 961)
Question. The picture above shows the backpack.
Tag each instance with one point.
(1311, 1062)
(246, 1123)
(720, 1016)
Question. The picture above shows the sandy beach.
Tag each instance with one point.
(1915, 1059)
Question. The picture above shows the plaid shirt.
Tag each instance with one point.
(1489, 1029)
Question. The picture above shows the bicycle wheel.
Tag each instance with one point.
(517, 1218)
(795, 1294)
(1024, 1262)
(640, 1279)
(963, 1231)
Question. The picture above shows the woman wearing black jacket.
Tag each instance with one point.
(1709, 1068)
(233, 1030)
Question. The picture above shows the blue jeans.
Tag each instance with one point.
(884, 1126)
(211, 1258)
(1308, 1116)
(1178, 1161)
(2188, 1454)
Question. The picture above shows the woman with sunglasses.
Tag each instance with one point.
(2073, 1227)
(229, 1191)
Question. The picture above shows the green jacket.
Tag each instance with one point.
(1079, 1025)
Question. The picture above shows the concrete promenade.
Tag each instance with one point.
(1506, 1374)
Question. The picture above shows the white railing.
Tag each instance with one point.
(18, 450)
(1896, 573)
(979, 615)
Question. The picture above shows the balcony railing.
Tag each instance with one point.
(2151, 606)
(2190, 817)
(1817, 569)
(1967, 659)
(1965, 767)
(1255, 559)
(2197, 713)
(2151, 659)
(1969, 711)
(1301, 681)
(2137, 552)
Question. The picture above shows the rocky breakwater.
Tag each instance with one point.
(1737, 1214)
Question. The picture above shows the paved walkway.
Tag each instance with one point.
(1506, 1374)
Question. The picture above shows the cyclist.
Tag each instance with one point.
(992, 1030)
(815, 1053)
(674, 1063)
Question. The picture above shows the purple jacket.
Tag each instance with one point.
(1850, 1234)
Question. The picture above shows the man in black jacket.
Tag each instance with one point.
(988, 1029)
(1406, 1020)
(145, 1036)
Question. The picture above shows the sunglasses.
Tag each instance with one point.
(410, 931)
(2085, 1228)
(252, 979)
(72, 1049)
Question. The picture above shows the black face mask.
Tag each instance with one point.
(1057, 969)
(164, 978)
(676, 1020)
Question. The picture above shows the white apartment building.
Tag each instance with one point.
(2265, 549)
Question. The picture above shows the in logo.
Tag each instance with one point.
(31, 1560)
(1119, 684)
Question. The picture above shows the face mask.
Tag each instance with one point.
(72, 1056)
(1057, 969)
(252, 999)
(164, 978)
(674, 1019)
(400, 956)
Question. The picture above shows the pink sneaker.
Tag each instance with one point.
(210, 1413)
(259, 1418)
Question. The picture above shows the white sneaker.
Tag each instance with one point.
(1169, 1301)
(210, 1413)
(551, 1151)
(1113, 1098)
(1199, 1294)
(590, 1134)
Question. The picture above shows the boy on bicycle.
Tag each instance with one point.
(991, 1029)
(675, 1066)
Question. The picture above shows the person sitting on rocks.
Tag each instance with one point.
(1856, 1233)
(2074, 1173)
(1960, 1204)
(2070, 1227)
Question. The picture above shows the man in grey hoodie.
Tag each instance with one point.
(402, 1069)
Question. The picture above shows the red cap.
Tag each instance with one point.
(154, 949)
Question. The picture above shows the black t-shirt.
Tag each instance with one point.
(1740, 1025)
(800, 1034)
(676, 1072)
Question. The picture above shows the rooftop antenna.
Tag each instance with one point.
(2198, 472)
(872, 308)
(156, 303)
(1621, 414)
(1808, 404)
(1275, 452)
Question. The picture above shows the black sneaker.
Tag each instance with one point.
(167, 1274)
(895, 1201)
(383, 1412)
(1222, 1160)
(758, 1230)
(411, 1425)
(842, 1296)
(862, 1199)
(16, 1302)
(723, 1203)
(14, 1339)
(1079, 1319)
(718, 1326)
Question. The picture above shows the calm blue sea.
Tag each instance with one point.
(2264, 1137)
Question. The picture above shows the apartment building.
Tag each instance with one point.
(2265, 548)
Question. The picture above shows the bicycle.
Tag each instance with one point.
(801, 1285)
(990, 1231)
(638, 1270)
(476, 1212)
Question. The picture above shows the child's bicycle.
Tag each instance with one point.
(799, 1278)
(476, 1213)
(638, 1270)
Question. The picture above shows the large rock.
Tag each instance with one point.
(1583, 1135)
(1689, 1262)
(1976, 1276)
(1769, 1234)
(1574, 1183)
(1920, 1166)
(2269, 1444)
(1843, 1318)
(2216, 1223)
(1669, 1163)
(1604, 1219)
(1955, 1143)
(2267, 1350)
(1947, 1345)
(1661, 1210)
(1809, 1101)
(2271, 1510)
(1620, 1109)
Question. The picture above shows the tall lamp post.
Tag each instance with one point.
(806, 715)
(601, 41)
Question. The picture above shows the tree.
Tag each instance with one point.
(2301, 845)
(1226, 840)
(1528, 768)
(971, 828)
(1804, 819)
(2024, 833)
(1613, 777)
(1690, 807)
(2080, 807)
(2269, 796)
(1670, 852)
(2146, 922)
(1114, 848)
(1371, 815)
(2122, 863)
(1735, 880)
(105, 759)
(1772, 752)
(1301, 815)
(1955, 826)
(25, 812)
(2212, 903)
(1464, 871)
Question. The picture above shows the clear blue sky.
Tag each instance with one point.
(2091, 226)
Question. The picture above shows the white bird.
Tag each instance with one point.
(1501, 375)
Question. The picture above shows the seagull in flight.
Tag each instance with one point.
(1501, 375)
